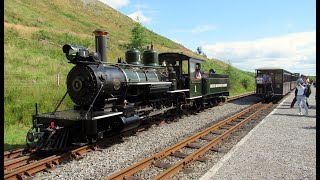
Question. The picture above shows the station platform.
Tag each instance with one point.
(281, 146)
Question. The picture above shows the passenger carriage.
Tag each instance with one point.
(282, 82)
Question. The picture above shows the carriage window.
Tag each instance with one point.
(278, 78)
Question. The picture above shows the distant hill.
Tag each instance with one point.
(79, 18)
(35, 67)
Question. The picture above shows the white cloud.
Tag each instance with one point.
(139, 17)
(203, 28)
(115, 3)
(295, 52)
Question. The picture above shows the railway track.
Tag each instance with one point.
(25, 166)
(232, 98)
(18, 164)
(14, 153)
(212, 136)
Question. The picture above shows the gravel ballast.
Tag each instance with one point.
(282, 146)
(100, 164)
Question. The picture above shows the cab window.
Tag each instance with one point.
(192, 69)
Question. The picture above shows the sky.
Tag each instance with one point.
(248, 34)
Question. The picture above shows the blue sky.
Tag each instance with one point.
(249, 34)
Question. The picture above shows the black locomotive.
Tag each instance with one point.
(115, 97)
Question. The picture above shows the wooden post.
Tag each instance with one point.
(58, 79)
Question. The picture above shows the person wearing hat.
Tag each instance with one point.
(301, 98)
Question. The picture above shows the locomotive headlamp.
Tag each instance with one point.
(75, 53)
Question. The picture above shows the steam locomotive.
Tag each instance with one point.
(116, 97)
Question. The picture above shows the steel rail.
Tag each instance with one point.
(127, 172)
(13, 153)
(9, 165)
(46, 163)
(25, 166)
(240, 96)
(198, 153)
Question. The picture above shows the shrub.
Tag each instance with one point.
(245, 82)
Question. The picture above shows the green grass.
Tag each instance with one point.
(15, 136)
(36, 30)
(240, 81)
(30, 77)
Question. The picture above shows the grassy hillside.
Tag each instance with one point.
(35, 67)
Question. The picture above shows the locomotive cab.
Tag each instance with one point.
(199, 89)
(187, 71)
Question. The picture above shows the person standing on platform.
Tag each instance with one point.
(301, 98)
(308, 90)
(302, 79)
(267, 81)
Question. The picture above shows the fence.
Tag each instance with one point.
(19, 80)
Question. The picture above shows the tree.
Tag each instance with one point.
(138, 39)
(200, 52)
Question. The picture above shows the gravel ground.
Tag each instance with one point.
(97, 165)
(283, 146)
(197, 169)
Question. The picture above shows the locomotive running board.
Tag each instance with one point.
(195, 97)
(75, 115)
(107, 115)
(181, 90)
(148, 83)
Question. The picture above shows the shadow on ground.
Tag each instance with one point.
(310, 127)
(309, 116)
(8, 147)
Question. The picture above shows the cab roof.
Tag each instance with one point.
(269, 68)
(171, 56)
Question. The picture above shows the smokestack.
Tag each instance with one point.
(101, 43)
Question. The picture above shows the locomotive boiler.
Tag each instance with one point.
(116, 97)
